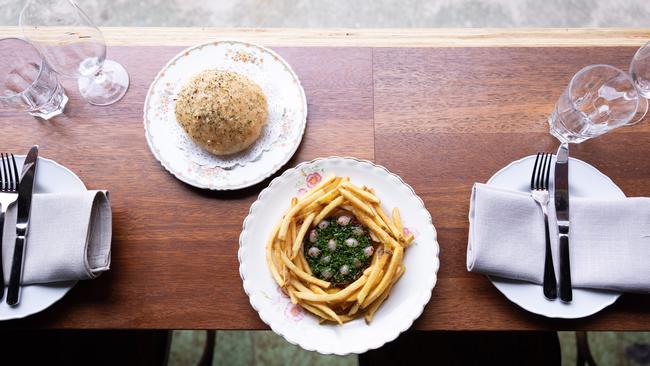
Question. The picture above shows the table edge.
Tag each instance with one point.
(381, 37)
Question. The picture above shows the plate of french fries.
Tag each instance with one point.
(338, 255)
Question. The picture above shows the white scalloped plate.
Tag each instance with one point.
(407, 299)
(584, 181)
(51, 177)
(280, 85)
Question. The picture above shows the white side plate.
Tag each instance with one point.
(287, 113)
(407, 299)
(50, 178)
(584, 181)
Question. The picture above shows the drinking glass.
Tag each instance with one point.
(75, 47)
(598, 99)
(27, 82)
(640, 70)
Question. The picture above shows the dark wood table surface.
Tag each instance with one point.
(440, 117)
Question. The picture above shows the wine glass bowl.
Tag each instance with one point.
(640, 70)
(74, 47)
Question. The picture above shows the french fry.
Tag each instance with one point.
(330, 195)
(291, 239)
(335, 297)
(377, 219)
(323, 309)
(329, 208)
(292, 295)
(290, 268)
(353, 309)
(317, 290)
(312, 207)
(370, 313)
(379, 232)
(409, 239)
(282, 269)
(397, 220)
(315, 194)
(354, 201)
(369, 197)
(372, 279)
(318, 187)
(269, 257)
(302, 274)
(395, 262)
(303, 262)
(397, 234)
(301, 234)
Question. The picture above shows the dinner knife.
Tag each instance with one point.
(25, 189)
(562, 213)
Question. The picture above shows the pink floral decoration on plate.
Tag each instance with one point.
(313, 179)
(294, 312)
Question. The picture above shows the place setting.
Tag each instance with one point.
(555, 235)
(55, 233)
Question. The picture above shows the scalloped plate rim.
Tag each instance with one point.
(260, 178)
(363, 348)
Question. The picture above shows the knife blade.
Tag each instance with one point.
(25, 190)
(562, 213)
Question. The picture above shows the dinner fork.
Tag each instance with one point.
(9, 182)
(539, 191)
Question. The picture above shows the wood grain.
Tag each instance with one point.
(382, 37)
(442, 118)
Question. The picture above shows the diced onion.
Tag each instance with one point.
(343, 220)
(313, 252)
(313, 236)
(331, 245)
(368, 251)
(351, 242)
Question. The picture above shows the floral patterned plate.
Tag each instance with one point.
(280, 137)
(407, 299)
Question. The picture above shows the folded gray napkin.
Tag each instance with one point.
(609, 239)
(69, 237)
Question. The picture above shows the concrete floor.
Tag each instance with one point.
(359, 13)
(266, 348)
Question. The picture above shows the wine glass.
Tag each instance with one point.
(26, 81)
(599, 98)
(640, 73)
(74, 47)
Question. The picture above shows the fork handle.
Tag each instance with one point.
(550, 282)
(13, 293)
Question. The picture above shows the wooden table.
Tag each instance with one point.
(441, 108)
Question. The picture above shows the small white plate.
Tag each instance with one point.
(283, 133)
(50, 178)
(407, 299)
(584, 181)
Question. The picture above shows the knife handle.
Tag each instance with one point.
(13, 293)
(566, 293)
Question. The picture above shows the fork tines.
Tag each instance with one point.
(8, 177)
(541, 172)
